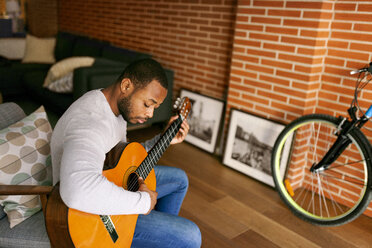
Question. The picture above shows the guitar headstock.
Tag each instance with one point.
(183, 107)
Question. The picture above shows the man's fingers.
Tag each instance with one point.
(140, 181)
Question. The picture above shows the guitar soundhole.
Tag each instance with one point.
(132, 183)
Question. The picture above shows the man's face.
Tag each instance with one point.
(140, 104)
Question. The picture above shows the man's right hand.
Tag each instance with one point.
(153, 194)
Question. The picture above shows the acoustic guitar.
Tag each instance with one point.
(69, 227)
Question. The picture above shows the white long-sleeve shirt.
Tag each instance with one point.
(83, 135)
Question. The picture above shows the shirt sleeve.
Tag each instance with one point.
(148, 144)
(82, 185)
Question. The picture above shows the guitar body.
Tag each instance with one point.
(88, 230)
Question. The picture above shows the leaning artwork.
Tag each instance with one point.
(249, 145)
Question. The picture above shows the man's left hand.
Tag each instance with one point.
(180, 136)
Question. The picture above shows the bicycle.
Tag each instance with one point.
(327, 178)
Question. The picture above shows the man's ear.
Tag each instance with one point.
(126, 86)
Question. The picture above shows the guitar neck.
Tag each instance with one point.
(159, 148)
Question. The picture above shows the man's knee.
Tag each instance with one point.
(184, 180)
(195, 237)
(190, 235)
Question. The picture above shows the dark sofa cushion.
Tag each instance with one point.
(64, 45)
(105, 62)
(57, 102)
(11, 76)
(88, 47)
(122, 54)
(30, 66)
(85, 76)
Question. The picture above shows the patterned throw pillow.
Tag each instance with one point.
(25, 159)
(59, 77)
(63, 84)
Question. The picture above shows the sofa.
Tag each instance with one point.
(18, 79)
(30, 233)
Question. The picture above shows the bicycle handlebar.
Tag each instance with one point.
(369, 69)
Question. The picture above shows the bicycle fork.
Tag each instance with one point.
(342, 142)
(334, 152)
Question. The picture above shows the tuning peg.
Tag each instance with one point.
(177, 103)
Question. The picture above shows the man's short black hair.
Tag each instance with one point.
(144, 71)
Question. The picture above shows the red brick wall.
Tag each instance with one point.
(194, 38)
(2, 7)
(42, 17)
(293, 57)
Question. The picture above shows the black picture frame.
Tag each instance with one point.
(249, 144)
(204, 120)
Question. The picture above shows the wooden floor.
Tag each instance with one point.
(234, 210)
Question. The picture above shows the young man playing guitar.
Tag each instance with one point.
(94, 125)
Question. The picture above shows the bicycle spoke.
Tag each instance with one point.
(299, 195)
(343, 180)
(355, 162)
(331, 197)
(335, 202)
(311, 203)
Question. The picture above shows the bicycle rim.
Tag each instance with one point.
(330, 197)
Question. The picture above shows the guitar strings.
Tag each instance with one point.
(162, 144)
(163, 147)
(158, 150)
(144, 165)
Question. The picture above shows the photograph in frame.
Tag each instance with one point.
(204, 120)
(249, 145)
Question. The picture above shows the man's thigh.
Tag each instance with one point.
(165, 230)
(170, 179)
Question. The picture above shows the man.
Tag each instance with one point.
(96, 123)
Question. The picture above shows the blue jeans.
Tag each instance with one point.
(163, 227)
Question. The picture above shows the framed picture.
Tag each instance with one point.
(249, 144)
(204, 120)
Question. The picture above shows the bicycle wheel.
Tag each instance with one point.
(330, 197)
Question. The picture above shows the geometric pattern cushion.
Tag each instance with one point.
(63, 84)
(25, 159)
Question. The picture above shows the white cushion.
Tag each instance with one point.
(25, 159)
(59, 77)
(39, 50)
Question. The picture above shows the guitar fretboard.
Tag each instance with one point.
(159, 148)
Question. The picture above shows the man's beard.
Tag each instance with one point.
(125, 108)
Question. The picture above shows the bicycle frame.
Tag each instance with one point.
(343, 140)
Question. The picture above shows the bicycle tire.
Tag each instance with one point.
(345, 186)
